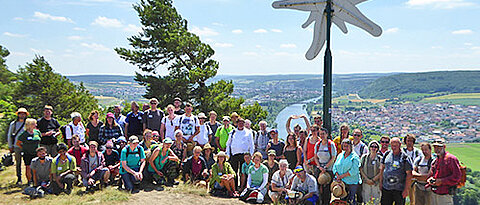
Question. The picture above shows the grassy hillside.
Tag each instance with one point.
(423, 83)
(467, 153)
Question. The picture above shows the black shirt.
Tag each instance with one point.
(93, 131)
(44, 126)
(112, 159)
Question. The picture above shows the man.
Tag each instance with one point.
(261, 141)
(239, 142)
(63, 171)
(214, 125)
(190, 126)
(205, 134)
(41, 166)
(306, 184)
(317, 120)
(133, 121)
(421, 171)
(49, 127)
(78, 150)
(396, 177)
(248, 125)
(385, 143)
(15, 129)
(195, 168)
(445, 175)
(359, 147)
(75, 128)
(145, 107)
(93, 168)
(112, 160)
(177, 102)
(413, 153)
(152, 119)
(221, 136)
(119, 117)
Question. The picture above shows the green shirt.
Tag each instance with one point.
(218, 173)
(59, 166)
(222, 134)
(30, 142)
(133, 158)
(256, 175)
(158, 161)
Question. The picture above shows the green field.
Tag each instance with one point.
(468, 153)
(456, 98)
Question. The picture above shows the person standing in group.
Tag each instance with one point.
(63, 171)
(169, 122)
(93, 127)
(297, 128)
(271, 164)
(132, 163)
(15, 129)
(179, 147)
(41, 168)
(413, 153)
(239, 142)
(293, 152)
(421, 170)
(208, 156)
(234, 116)
(49, 127)
(75, 128)
(152, 118)
(28, 142)
(445, 176)
(344, 134)
(244, 171)
(360, 148)
(309, 152)
(110, 130)
(147, 141)
(112, 160)
(77, 151)
(214, 125)
(370, 171)
(163, 164)
(385, 143)
(262, 139)
(346, 169)
(248, 125)
(276, 144)
(195, 168)
(190, 126)
(222, 134)
(205, 133)
(318, 120)
(133, 121)
(145, 107)
(177, 102)
(325, 155)
(119, 117)
(396, 172)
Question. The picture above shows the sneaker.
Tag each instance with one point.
(235, 194)
(68, 191)
(19, 181)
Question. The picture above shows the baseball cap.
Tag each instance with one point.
(298, 169)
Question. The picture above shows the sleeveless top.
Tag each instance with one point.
(291, 157)
(310, 152)
(158, 161)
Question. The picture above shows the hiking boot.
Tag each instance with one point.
(19, 181)
(68, 191)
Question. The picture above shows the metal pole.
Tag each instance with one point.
(327, 74)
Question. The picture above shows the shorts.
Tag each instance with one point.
(217, 185)
(97, 176)
(27, 159)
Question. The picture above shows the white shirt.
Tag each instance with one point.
(202, 137)
(357, 149)
(170, 126)
(188, 125)
(240, 142)
(77, 130)
(281, 182)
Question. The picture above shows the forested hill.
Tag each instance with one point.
(429, 82)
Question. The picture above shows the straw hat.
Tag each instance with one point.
(222, 154)
(338, 189)
(324, 178)
(20, 110)
(208, 146)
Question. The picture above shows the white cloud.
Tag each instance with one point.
(45, 16)
(462, 32)
(439, 4)
(276, 30)
(468, 44)
(258, 46)
(75, 38)
(223, 45)
(260, 31)
(41, 51)
(107, 22)
(95, 46)
(250, 53)
(132, 28)
(237, 31)
(79, 29)
(437, 47)
(217, 24)
(14, 35)
(392, 30)
(18, 19)
(288, 45)
(205, 31)
(18, 53)
(476, 48)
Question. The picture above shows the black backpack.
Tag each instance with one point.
(64, 134)
(7, 159)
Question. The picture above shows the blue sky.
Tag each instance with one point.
(249, 36)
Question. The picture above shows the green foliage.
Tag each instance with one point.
(470, 194)
(254, 112)
(38, 85)
(7, 108)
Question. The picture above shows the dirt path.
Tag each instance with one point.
(169, 197)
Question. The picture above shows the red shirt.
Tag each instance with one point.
(78, 154)
(310, 152)
(447, 169)
(196, 167)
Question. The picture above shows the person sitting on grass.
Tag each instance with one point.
(208, 156)
(63, 171)
(223, 176)
(257, 179)
(179, 147)
(271, 164)
(41, 166)
(112, 160)
(195, 168)
(281, 181)
(244, 172)
(304, 186)
(132, 160)
(163, 164)
(77, 151)
(93, 168)
(28, 142)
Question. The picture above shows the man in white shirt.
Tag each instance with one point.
(190, 126)
(359, 147)
(239, 142)
(75, 128)
(205, 132)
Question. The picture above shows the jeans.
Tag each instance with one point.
(129, 180)
(67, 179)
(390, 196)
(352, 192)
(18, 161)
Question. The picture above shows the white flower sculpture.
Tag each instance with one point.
(343, 11)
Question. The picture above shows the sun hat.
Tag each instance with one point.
(439, 142)
(201, 116)
(133, 139)
(272, 152)
(338, 189)
(273, 130)
(324, 178)
(122, 139)
(22, 110)
(227, 118)
(298, 169)
(48, 107)
(167, 140)
(222, 154)
(208, 146)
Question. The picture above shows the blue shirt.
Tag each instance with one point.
(135, 125)
(133, 158)
(350, 164)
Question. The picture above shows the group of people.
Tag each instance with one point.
(156, 147)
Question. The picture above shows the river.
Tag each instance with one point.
(294, 109)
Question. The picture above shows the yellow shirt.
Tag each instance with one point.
(338, 143)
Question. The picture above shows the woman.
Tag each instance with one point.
(146, 143)
(28, 142)
(271, 163)
(281, 181)
(257, 178)
(276, 144)
(93, 127)
(163, 163)
(309, 152)
(344, 134)
(346, 169)
(179, 147)
(223, 175)
(292, 151)
(370, 171)
(110, 130)
(132, 160)
(208, 156)
(167, 129)
(325, 155)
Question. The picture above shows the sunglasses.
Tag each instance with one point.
(384, 141)
(374, 147)
(357, 135)
(153, 103)
(109, 147)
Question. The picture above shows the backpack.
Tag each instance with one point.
(463, 178)
(7, 159)
(330, 143)
(69, 158)
(63, 130)
(362, 148)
